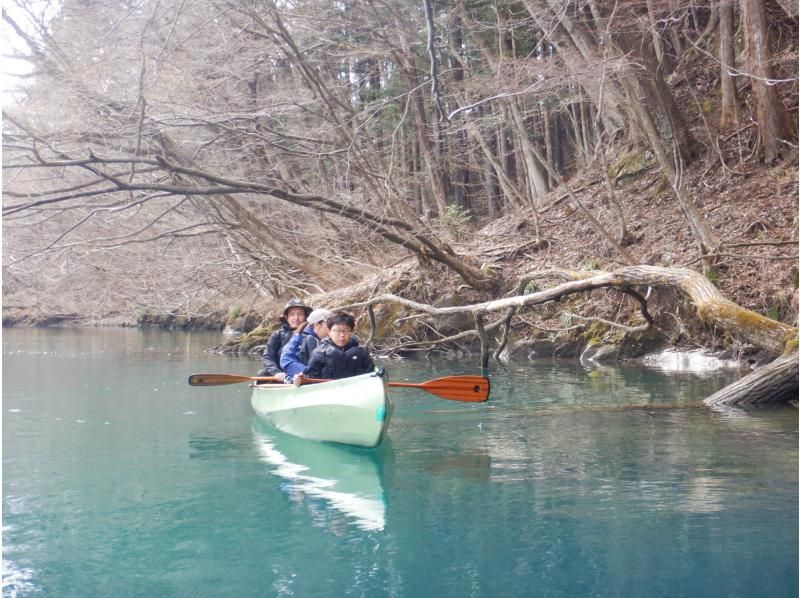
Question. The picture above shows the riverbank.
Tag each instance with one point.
(654, 352)
(757, 270)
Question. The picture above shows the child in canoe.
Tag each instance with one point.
(339, 355)
(294, 314)
(297, 352)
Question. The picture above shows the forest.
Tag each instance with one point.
(466, 174)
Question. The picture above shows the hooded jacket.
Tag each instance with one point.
(296, 353)
(332, 362)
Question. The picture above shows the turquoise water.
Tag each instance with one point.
(121, 480)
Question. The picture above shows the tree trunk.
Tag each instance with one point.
(549, 145)
(424, 132)
(771, 117)
(537, 180)
(559, 146)
(537, 173)
(490, 189)
(578, 49)
(625, 238)
(575, 140)
(460, 161)
(506, 155)
(789, 7)
(776, 382)
(728, 109)
(461, 153)
(665, 62)
(508, 187)
(649, 88)
(420, 198)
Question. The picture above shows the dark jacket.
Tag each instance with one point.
(329, 361)
(307, 347)
(272, 352)
(296, 353)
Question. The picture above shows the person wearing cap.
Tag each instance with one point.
(294, 316)
(296, 353)
(339, 355)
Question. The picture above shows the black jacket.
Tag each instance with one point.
(272, 353)
(329, 361)
(307, 347)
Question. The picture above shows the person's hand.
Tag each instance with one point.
(280, 376)
(298, 379)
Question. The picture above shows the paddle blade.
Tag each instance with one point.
(219, 379)
(469, 389)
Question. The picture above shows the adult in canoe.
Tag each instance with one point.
(339, 355)
(297, 352)
(294, 314)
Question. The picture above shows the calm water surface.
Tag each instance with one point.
(121, 480)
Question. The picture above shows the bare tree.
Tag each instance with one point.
(305, 142)
(728, 110)
(773, 122)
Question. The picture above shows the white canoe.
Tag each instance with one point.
(353, 411)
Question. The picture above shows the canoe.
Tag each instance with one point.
(354, 411)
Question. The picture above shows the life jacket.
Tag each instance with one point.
(329, 361)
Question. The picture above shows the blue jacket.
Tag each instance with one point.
(330, 361)
(297, 351)
(272, 353)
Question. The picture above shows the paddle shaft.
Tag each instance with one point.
(220, 379)
(469, 389)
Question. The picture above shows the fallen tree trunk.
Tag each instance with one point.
(776, 382)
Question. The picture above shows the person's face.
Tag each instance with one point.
(321, 329)
(340, 334)
(295, 316)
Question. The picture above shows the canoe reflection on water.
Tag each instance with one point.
(347, 479)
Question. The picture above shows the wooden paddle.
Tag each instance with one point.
(469, 389)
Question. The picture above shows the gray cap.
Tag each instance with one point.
(318, 315)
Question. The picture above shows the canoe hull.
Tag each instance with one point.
(354, 411)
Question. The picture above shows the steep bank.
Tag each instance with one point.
(758, 268)
(759, 272)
